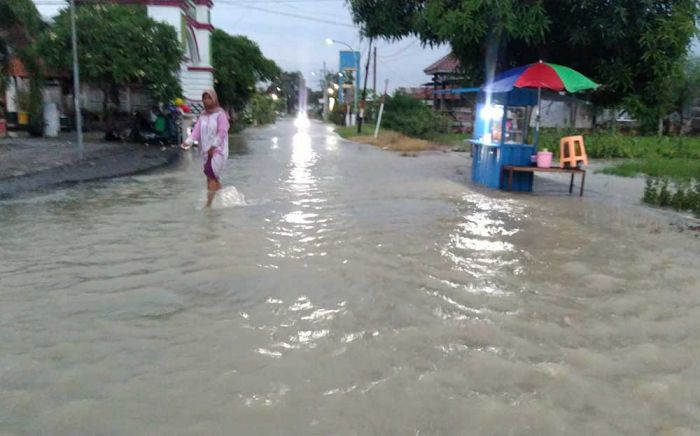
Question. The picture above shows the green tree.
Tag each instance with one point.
(117, 46)
(238, 66)
(19, 20)
(19, 23)
(262, 110)
(687, 89)
(288, 85)
(634, 48)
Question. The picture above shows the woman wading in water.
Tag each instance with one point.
(211, 131)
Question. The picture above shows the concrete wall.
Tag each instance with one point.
(195, 82)
(202, 14)
(203, 42)
(167, 14)
(561, 114)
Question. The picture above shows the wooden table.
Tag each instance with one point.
(510, 169)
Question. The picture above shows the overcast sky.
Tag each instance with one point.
(292, 33)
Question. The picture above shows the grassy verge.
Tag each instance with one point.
(389, 139)
(683, 196)
(676, 158)
(350, 131)
(677, 169)
(454, 140)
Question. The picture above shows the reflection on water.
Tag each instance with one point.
(357, 292)
(302, 226)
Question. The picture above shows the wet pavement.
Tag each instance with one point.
(29, 165)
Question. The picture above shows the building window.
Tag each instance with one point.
(192, 9)
(192, 48)
(183, 31)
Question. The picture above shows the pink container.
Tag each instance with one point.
(544, 159)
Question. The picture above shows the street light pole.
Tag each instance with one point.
(76, 82)
(357, 67)
(324, 88)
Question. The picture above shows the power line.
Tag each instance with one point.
(399, 51)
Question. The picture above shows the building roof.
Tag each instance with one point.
(17, 68)
(447, 64)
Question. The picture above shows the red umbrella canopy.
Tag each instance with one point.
(541, 75)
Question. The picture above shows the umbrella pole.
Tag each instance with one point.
(537, 118)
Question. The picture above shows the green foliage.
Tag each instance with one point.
(617, 145)
(687, 89)
(411, 117)
(261, 110)
(664, 194)
(20, 16)
(118, 45)
(238, 66)
(659, 192)
(337, 115)
(651, 195)
(19, 23)
(458, 141)
(676, 157)
(636, 49)
(403, 114)
(676, 169)
(289, 84)
(35, 101)
(4, 61)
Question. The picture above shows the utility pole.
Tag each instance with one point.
(76, 82)
(381, 108)
(374, 76)
(324, 88)
(361, 114)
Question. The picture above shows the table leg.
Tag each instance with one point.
(510, 180)
(583, 181)
(571, 185)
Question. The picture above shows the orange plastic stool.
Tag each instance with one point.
(569, 154)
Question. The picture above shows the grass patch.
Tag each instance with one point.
(388, 139)
(673, 157)
(685, 196)
(350, 131)
(615, 145)
(676, 169)
(454, 140)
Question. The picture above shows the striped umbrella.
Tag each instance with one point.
(540, 75)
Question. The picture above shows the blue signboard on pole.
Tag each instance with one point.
(349, 69)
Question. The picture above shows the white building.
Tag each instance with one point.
(192, 21)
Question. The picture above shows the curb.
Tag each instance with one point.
(133, 161)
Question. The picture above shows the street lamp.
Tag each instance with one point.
(331, 41)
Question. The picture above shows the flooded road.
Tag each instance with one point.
(356, 292)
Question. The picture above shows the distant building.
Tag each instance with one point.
(418, 92)
(446, 75)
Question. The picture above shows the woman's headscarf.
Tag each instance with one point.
(214, 97)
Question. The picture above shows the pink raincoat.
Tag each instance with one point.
(211, 131)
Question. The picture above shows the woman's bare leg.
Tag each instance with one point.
(212, 187)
